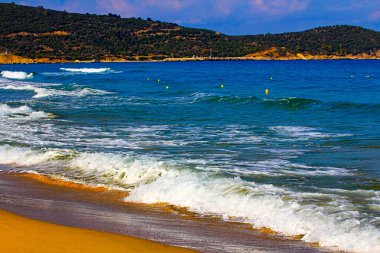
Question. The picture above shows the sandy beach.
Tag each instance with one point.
(259, 56)
(92, 210)
(20, 234)
(189, 126)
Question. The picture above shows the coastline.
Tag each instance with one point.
(260, 56)
(27, 235)
(95, 209)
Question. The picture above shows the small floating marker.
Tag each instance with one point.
(222, 86)
(266, 91)
(148, 79)
(271, 78)
(352, 76)
(158, 80)
(167, 87)
(51, 115)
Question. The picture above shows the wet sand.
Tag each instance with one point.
(20, 234)
(104, 211)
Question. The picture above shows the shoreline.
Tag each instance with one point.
(27, 235)
(104, 211)
(14, 59)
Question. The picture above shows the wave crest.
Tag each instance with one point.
(285, 103)
(23, 156)
(291, 102)
(262, 205)
(24, 112)
(86, 70)
(16, 74)
(43, 90)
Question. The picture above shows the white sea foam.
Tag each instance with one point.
(280, 167)
(90, 91)
(337, 225)
(371, 195)
(16, 74)
(45, 92)
(23, 112)
(301, 132)
(40, 89)
(23, 156)
(42, 133)
(39, 92)
(86, 70)
(120, 169)
(263, 206)
(113, 169)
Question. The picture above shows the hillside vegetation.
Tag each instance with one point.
(35, 32)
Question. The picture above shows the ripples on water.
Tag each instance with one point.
(302, 160)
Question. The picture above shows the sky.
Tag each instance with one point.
(233, 17)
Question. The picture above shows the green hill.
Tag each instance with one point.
(35, 32)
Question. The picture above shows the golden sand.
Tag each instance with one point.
(269, 54)
(19, 235)
(60, 182)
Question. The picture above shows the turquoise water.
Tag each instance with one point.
(303, 159)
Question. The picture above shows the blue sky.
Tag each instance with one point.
(233, 16)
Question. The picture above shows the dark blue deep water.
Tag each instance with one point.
(303, 159)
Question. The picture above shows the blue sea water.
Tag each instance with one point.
(301, 160)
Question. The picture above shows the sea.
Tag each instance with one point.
(293, 146)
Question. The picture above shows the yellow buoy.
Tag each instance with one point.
(222, 86)
(167, 87)
(266, 91)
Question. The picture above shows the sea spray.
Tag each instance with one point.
(16, 74)
(23, 156)
(43, 91)
(86, 70)
(22, 112)
(262, 205)
(332, 226)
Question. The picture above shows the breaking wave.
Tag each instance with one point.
(44, 89)
(86, 70)
(22, 156)
(337, 225)
(16, 74)
(23, 112)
